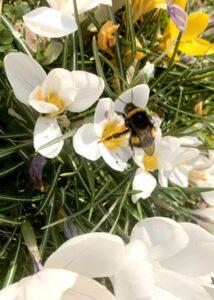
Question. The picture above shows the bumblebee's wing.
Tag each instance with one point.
(144, 138)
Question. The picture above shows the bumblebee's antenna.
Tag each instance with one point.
(121, 100)
(132, 96)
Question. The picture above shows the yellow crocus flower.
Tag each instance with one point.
(190, 43)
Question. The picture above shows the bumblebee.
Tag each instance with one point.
(139, 124)
(142, 132)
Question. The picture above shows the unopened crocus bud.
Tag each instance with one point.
(36, 171)
(178, 16)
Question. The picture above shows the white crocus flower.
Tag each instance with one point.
(94, 140)
(68, 271)
(168, 159)
(50, 95)
(163, 261)
(202, 175)
(58, 20)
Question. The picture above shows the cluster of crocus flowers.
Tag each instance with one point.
(59, 19)
(163, 260)
(108, 136)
(190, 43)
(50, 95)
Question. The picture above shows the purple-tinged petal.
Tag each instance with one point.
(178, 16)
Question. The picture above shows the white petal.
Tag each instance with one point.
(45, 131)
(180, 286)
(56, 4)
(88, 87)
(162, 236)
(116, 159)
(204, 217)
(85, 142)
(166, 149)
(10, 293)
(197, 258)
(196, 234)
(84, 5)
(59, 81)
(161, 294)
(105, 112)
(179, 176)
(163, 178)
(49, 22)
(145, 182)
(87, 289)
(139, 95)
(190, 141)
(91, 255)
(209, 289)
(208, 197)
(41, 106)
(24, 74)
(135, 279)
(56, 284)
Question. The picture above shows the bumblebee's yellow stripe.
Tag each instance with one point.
(133, 112)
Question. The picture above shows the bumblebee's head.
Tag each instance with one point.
(129, 107)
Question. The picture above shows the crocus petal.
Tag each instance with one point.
(41, 106)
(49, 22)
(56, 284)
(196, 47)
(59, 81)
(196, 24)
(56, 4)
(105, 112)
(178, 16)
(197, 234)
(161, 294)
(204, 217)
(179, 176)
(190, 141)
(180, 286)
(91, 255)
(24, 74)
(138, 95)
(197, 258)
(87, 289)
(45, 131)
(162, 236)
(10, 293)
(116, 159)
(208, 197)
(85, 5)
(135, 279)
(85, 142)
(144, 182)
(88, 87)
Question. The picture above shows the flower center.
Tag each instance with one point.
(52, 98)
(113, 136)
(150, 162)
(197, 176)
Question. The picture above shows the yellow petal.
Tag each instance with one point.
(196, 24)
(197, 47)
(181, 3)
(157, 4)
